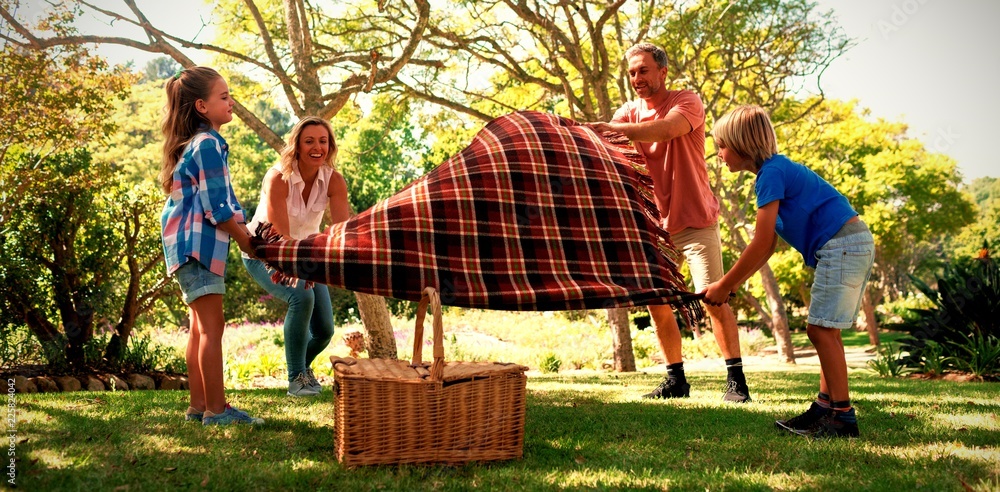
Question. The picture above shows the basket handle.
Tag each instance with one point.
(431, 297)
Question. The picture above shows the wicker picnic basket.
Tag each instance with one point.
(392, 412)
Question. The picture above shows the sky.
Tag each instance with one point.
(933, 64)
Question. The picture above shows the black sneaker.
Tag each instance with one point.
(833, 424)
(736, 392)
(670, 388)
(804, 421)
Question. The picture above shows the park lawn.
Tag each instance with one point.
(583, 431)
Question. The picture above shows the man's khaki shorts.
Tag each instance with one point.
(702, 249)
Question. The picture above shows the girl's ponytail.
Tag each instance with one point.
(181, 121)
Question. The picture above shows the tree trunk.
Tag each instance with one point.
(868, 321)
(622, 340)
(375, 317)
(779, 318)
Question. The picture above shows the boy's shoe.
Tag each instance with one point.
(670, 388)
(232, 415)
(804, 421)
(313, 382)
(300, 386)
(833, 424)
(736, 392)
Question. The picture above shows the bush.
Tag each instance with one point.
(980, 355)
(889, 362)
(963, 321)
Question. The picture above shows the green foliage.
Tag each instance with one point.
(986, 194)
(143, 354)
(18, 346)
(964, 317)
(379, 153)
(549, 363)
(932, 359)
(978, 355)
(889, 362)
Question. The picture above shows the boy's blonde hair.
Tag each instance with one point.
(747, 131)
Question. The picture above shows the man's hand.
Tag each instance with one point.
(600, 126)
(716, 294)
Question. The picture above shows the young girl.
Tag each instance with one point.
(200, 216)
(296, 193)
(815, 219)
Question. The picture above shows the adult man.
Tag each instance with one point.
(668, 128)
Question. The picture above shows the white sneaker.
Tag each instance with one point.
(300, 386)
(313, 382)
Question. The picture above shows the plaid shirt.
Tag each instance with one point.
(201, 197)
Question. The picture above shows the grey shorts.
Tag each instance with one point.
(196, 281)
(843, 266)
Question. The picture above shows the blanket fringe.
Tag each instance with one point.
(265, 234)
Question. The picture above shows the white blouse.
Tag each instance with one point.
(304, 216)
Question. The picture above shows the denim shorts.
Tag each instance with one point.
(843, 266)
(196, 281)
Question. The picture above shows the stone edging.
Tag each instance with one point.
(99, 382)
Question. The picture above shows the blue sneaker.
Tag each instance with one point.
(232, 415)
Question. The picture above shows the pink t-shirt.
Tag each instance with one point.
(678, 169)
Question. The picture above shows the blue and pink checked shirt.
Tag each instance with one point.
(201, 197)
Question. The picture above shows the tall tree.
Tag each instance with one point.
(985, 192)
(567, 56)
(319, 57)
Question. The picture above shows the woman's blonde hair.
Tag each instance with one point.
(747, 131)
(181, 120)
(290, 153)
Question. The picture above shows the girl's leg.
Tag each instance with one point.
(320, 324)
(195, 381)
(833, 364)
(211, 323)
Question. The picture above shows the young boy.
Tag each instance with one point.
(815, 219)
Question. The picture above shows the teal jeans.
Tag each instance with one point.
(308, 322)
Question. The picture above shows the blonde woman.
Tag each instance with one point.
(295, 195)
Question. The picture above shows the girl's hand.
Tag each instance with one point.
(243, 241)
(716, 294)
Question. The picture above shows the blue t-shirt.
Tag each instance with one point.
(811, 210)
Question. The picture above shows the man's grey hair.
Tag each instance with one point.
(659, 56)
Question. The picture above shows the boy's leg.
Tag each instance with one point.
(833, 364)
(211, 325)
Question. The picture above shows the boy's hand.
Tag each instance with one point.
(716, 294)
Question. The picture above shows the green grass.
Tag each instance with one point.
(582, 432)
(852, 338)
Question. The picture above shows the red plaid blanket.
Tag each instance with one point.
(537, 213)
